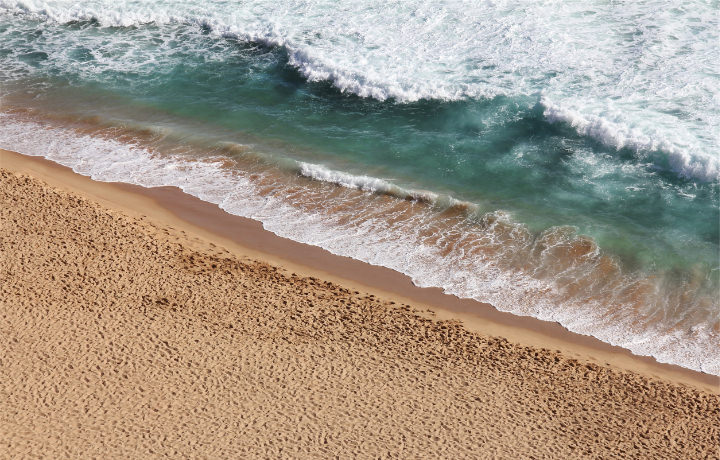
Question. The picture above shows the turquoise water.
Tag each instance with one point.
(591, 153)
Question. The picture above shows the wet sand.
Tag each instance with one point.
(141, 323)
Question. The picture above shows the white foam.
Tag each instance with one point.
(655, 65)
(400, 248)
(363, 182)
(614, 131)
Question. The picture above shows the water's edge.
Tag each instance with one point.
(526, 330)
(108, 161)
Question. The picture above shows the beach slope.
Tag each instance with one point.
(123, 337)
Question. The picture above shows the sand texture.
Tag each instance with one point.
(122, 338)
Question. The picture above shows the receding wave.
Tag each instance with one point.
(554, 275)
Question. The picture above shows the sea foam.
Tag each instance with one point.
(365, 183)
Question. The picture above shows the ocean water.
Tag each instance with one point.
(555, 159)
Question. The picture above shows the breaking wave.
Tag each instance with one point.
(642, 91)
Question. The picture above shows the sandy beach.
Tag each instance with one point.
(142, 323)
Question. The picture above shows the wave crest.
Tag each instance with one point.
(665, 153)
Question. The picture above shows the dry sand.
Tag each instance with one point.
(124, 337)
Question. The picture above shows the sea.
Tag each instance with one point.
(556, 159)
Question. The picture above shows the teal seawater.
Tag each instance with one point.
(502, 151)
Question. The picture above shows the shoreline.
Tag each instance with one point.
(242, 237)
(130, 333)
